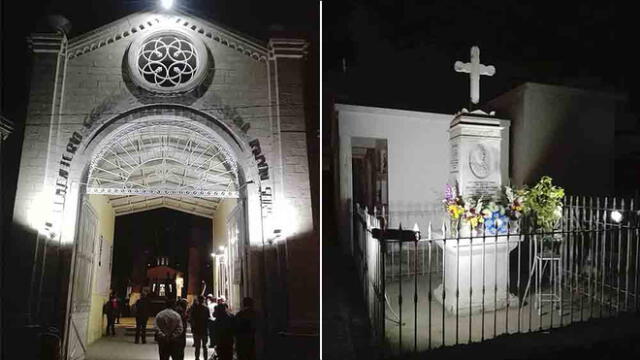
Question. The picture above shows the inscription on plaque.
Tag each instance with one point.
(454, 162)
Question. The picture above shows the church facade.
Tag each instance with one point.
(162, 109)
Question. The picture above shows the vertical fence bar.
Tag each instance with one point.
(444, 288)
(400, 295)
(636, 270)
(458, 280)
(484, 233)
(604, 258)
(572, 255)
(415, 292)
(383, 293)
(531, 256)
(595, 257)
(430, 294)
(628, 259)
(519, 231)
(506, 293)
(495, 285)
(470, 285)
(618, 275)
(582, 257)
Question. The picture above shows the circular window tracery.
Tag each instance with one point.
(167, 61)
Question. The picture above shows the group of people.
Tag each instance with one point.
(211, 322)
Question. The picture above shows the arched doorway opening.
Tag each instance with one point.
(143, 162)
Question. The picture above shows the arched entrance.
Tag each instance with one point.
(148, 159)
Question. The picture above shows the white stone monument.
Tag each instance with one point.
(475, 167)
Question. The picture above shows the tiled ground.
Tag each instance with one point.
(122, 346)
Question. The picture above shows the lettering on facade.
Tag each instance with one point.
(232, 114)
(62, 179)
(263, 167)
(266, 198)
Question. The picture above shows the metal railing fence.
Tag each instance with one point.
(441, 286)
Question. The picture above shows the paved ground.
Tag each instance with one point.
(122, 346)
(519, 318)
(345, 327)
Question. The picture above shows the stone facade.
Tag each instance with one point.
(252, 99)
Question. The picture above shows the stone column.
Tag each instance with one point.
(43, 296)
(293, 204)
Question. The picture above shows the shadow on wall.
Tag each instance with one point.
(295, 264)
(287, 294)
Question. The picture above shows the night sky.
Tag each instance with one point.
(400, 54)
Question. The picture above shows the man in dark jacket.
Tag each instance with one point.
(223, 332)
(110, 308)
(245, 328)
(142, 315)
(199, 316)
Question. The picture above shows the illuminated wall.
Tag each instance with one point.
(220, 236)
(101, 267)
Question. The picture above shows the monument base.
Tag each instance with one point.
(477, 305)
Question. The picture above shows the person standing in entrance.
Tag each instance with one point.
(142, 315)
(181, 308)
(109, 309)
(169, 329)
(211, 304)
(224, 329)
(199, 317)
(245, 329)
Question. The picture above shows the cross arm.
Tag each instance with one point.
(487, 70)
(459, 66)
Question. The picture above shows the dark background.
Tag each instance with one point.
(400, 54)
(160, 232)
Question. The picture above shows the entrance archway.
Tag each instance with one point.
(153, 158)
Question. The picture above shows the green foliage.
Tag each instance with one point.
(544, 200)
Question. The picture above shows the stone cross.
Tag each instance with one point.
(475, 69)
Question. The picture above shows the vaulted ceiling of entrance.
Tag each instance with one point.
(163, 165)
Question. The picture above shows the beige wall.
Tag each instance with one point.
(220, 236)
(101, 269)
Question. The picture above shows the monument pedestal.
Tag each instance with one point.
(471, 264)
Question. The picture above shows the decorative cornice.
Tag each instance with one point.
(148, 20)
(287, 48)
(6, 127)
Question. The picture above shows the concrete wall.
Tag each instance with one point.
(101, 269)
(418, 161)
(561, 132)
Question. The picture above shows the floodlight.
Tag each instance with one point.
(616, 216)
(167, 4)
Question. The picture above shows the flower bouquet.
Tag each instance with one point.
(498, 217)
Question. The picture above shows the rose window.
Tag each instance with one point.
(167, 61)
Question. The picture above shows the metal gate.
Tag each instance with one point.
(83, 254)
